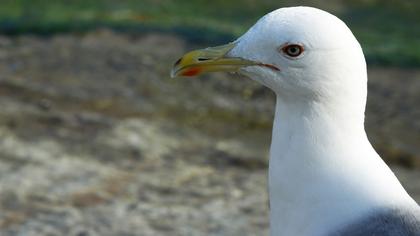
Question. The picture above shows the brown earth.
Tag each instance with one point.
(97, 140)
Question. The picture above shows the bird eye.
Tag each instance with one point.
(292, 50)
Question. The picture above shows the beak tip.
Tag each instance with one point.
(206, 60)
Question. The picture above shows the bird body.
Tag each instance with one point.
(323, 173)
(325, 178)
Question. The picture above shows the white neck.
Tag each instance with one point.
(323, 170)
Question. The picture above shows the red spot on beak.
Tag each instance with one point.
(192, 71)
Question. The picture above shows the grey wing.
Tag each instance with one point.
(395, 222)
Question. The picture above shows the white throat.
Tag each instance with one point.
(323, 171)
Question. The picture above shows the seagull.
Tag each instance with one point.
(325, 178)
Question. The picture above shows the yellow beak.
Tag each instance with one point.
(209, 60)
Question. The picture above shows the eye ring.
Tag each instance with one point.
(292, 50)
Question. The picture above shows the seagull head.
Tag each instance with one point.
(297, 52)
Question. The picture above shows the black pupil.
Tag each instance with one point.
(293, 50)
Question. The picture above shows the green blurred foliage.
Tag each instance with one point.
(389, 30)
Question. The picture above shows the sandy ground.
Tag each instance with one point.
(97, 140)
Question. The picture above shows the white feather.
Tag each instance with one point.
(323, 171)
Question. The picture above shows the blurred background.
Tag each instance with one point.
(95, 139)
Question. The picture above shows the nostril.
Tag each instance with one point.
(178, 61)
(203, 59)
